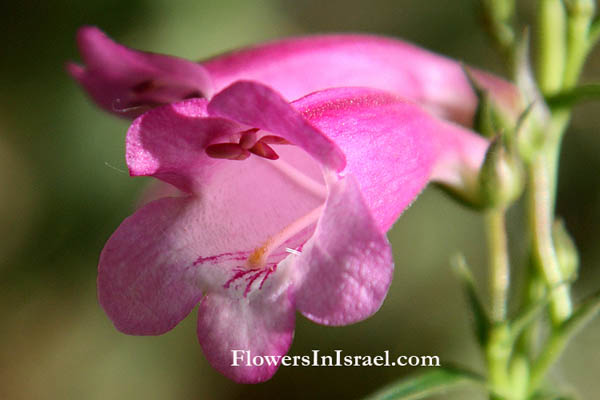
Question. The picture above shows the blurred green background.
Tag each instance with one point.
(64, 190)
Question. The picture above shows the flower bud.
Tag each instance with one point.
(566, 252)
(501, 176)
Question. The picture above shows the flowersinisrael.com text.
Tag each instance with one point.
(337, 359)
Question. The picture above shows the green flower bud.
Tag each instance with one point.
(566, 252)
(501, 176)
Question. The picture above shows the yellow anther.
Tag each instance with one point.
(258, 258)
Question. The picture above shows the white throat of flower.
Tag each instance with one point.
(258, 258)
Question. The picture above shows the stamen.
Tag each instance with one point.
(264, 150)
(258, 258)
(228, 151)
(272, 139)
(316, 188)
(248, 138)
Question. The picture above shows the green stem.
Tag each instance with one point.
(499, 264)
(552, 46)
(498, 344)
(542, 177)
(578, 39)
(497, 352)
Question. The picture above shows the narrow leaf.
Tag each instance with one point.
(580, 318)
(574, 96)
(432, 382)
(561, 337)
(482, 319)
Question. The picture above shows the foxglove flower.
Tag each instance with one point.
(286, 207)
(129, 82)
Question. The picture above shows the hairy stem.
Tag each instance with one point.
(499, 264)
(542, 175)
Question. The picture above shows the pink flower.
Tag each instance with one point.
(128, 82)
(286, 208)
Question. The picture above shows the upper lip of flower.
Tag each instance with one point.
(128, 82)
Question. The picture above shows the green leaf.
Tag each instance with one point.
(482, 319)
(561, 337)
(432, 382)
(582, 315)
(574, 96)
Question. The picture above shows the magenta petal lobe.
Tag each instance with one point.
(231, 328)
(143, 285)
(346, 268)
(128, 82)
(169, 143)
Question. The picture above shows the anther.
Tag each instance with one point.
(264, 150)
(228, 151)
(272, 139)
(248, 138)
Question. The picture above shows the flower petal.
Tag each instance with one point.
(258, 106)
(460, 156)
(144, 280)
(298, 66)
(169, 142)
(392, 146)
(127, 82)
(262, 323)
(117, 77)
(346, 268)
